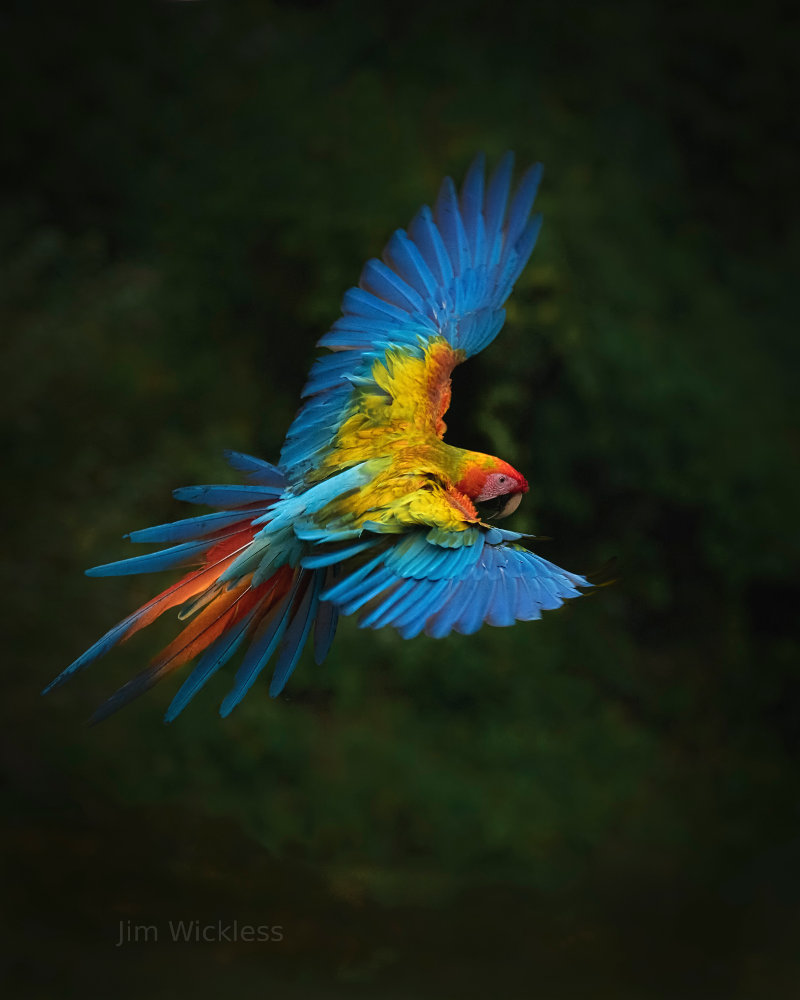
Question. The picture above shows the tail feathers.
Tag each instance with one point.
(179, 555)
(324, 630)
(266, 639)
(296, 634)
(102, 646)
(261, 472)
(191, 528)
(276, 613)
(185, 589)
(223, 613)
(227, 495)
(216, 656)
(327, 618)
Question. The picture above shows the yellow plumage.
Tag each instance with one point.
(395, 423)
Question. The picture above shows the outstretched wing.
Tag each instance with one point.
(420, 562)
(439, 582)
(435, 298)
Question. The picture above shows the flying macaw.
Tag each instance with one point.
(368, 509)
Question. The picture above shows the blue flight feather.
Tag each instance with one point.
(324, 629)
(496, 200)
(225, 495)
(295, 636)
(429, 240)
(451, 227)
(338, 555)
(522, 203)
(366, 590)
(403, 256)
(261, 472)
(383, 282)
(216, 656)
(194, 527)
(185, 554)
(100, 648)
(472, 209)
(261, 649)
(412, 622)
(383, 612)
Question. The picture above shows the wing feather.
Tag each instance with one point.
(445, 279)
(415, 584)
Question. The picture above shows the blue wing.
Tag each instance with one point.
(434, 584)
(447, 276)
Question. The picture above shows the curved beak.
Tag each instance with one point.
(511, 504)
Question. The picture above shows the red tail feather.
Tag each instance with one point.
(229, 607)
(218, 558)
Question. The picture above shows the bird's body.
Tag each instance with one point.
(368, 510)
(397, 424)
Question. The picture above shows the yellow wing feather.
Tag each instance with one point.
(396, 423)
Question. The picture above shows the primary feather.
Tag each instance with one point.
(369, 511)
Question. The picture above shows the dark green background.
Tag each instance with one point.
(602, 804)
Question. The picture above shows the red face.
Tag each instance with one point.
(492, 484)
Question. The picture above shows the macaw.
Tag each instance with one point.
(368, 509)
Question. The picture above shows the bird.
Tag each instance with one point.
(368, 510)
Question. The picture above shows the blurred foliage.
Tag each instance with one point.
(190, 189)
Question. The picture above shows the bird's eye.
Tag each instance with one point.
(501, 479)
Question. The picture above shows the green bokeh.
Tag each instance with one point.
(600, 804)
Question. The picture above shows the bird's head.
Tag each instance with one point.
(494, 485)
